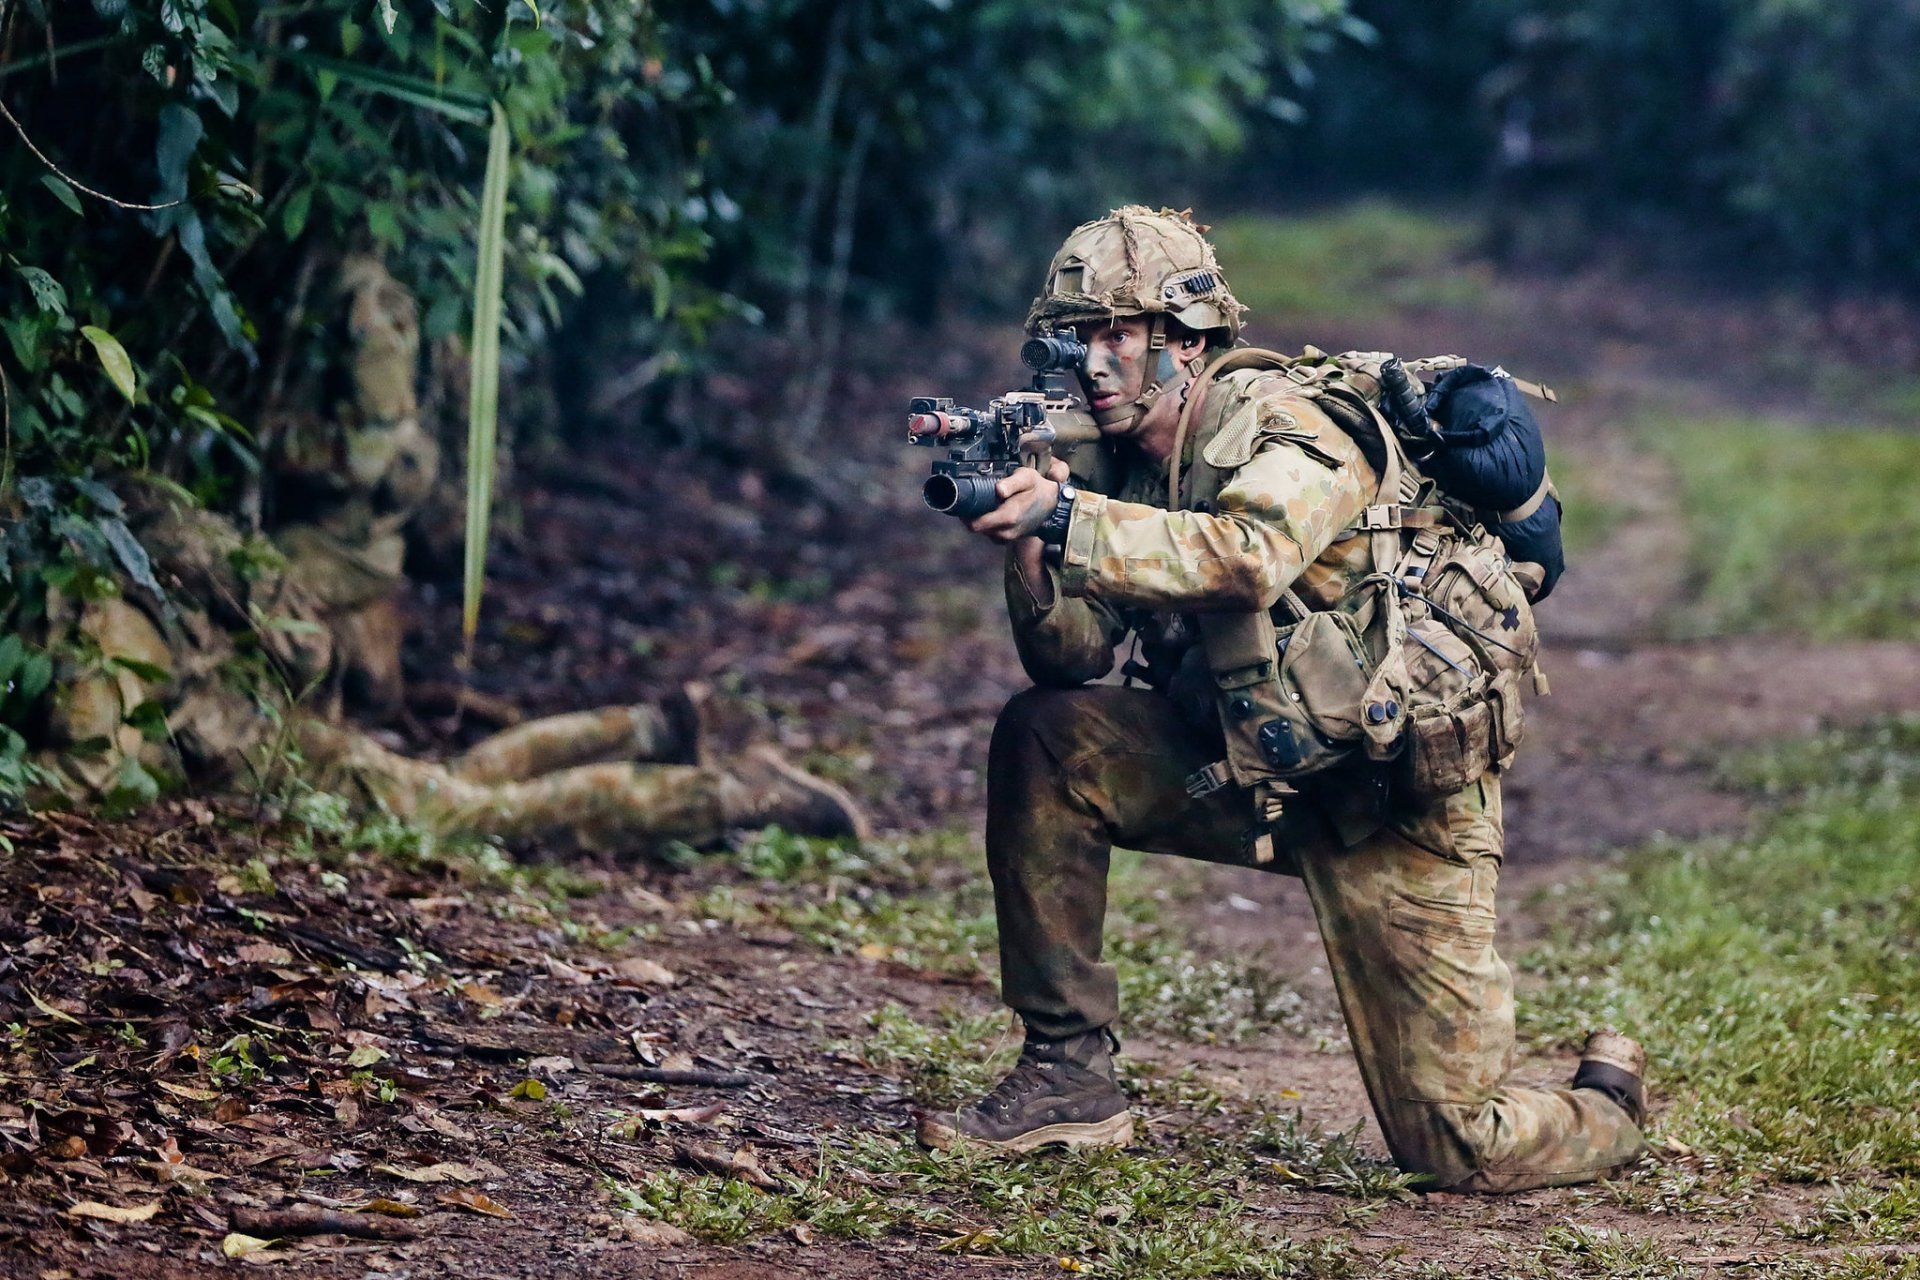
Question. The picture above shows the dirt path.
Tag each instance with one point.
(867, 637)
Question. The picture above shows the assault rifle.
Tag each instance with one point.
(1020, 428)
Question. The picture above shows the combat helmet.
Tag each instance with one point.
(1138, 262)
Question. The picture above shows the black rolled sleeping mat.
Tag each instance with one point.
(1493, 457)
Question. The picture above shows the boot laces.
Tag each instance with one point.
(1039, 1071)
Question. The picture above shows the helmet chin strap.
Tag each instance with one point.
(1164, 373)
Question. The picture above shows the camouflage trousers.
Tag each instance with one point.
(1406, 914)
(581, 778)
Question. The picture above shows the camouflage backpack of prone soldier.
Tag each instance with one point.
(1420, 665)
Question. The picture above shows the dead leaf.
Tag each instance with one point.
(447, 1128)
(239, 1245)
(112, 1212)
(530, 1089)
(740, 1163)
(566, 972)
(552, 1065)
(181, 1172)
(683, 1115)
(263, 953)
(447, 1171)
(49, 1010)
(392, 1208)
(803, 1233)
(188, 1092)
(661, 1234)
(473, 1202)
(483, 995)
(643, 972)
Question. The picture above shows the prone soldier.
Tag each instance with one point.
(263, 640)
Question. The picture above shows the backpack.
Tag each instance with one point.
(1420, 667)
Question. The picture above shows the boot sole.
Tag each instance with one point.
(1114, 1131)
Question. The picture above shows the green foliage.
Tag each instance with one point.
(168, 293)
(1773, 977)
(1776, 130)
(1796, 526)
(483, 404)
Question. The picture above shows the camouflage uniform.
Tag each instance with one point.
(347, 482)
(1404, 894)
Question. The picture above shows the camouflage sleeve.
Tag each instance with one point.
(1066, 643)
(1277, 511)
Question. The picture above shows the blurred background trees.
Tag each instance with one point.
(708, 197)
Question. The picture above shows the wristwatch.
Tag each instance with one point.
(1054, 531)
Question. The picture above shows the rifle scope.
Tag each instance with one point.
(1053, 353)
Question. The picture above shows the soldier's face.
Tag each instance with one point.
(1117, 361)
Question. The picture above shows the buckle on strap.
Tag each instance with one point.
(1204, 782)
(1385, 516)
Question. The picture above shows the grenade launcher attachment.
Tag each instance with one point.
(1020, 428)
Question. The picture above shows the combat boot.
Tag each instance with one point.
(1616, 1066)
(688, 712)
(760, 789)
(1060, 1093)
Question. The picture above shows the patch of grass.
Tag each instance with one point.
(1569, 1249)
(1165, 988)
(1678, 1193)
(1797, 527)
(1307, 1154)
(778, 854)
(1172, 1209)
(1354, 262)
(726, 1210)
(1155, 1217)
(1775, 978)
(1864, 1214)
(1588, 515)
(946, 1064)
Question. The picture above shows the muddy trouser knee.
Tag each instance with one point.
(617, 807)
(1071, 773)
(1407, 916)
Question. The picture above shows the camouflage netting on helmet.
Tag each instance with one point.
(1136, 261)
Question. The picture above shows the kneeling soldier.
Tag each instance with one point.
(1281, 504)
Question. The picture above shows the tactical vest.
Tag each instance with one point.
(1418, 667)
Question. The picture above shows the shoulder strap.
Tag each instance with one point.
(1232, 362)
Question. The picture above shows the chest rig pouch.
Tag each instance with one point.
(1419, 666)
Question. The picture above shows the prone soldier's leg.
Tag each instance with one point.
(622, 806)
(1408, 920)
(641, 732)
(1070, 774)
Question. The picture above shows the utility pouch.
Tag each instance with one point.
(1289, 696)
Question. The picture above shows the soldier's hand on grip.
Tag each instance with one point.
(1026, 500)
